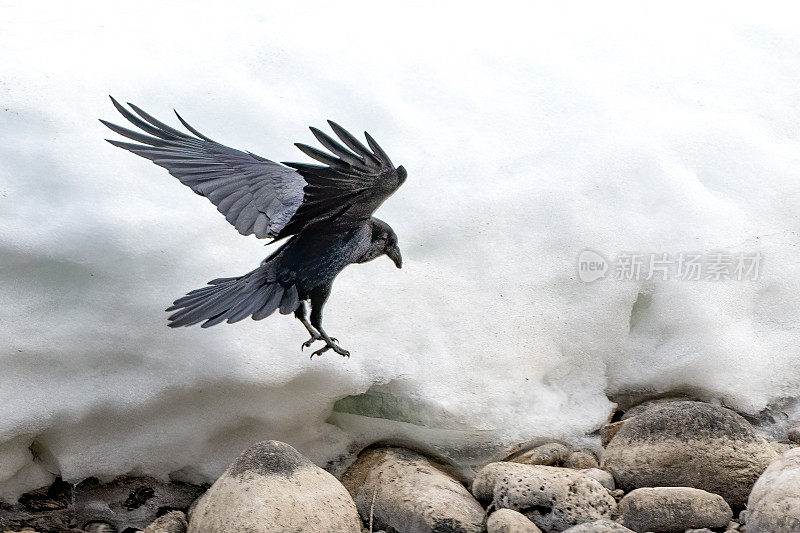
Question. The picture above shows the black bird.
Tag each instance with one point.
(325, 210)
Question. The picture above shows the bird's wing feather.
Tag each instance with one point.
(256, 195)
(259, 196)
(353, 182)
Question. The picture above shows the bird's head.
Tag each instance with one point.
(384, 242)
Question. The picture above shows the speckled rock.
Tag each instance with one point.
(690, 444)
(172, 522)
(553, 498)
(509, 521)
(272, 487)
(550, 454)
(599, 526)
(673, 510)
(774, 504)
(605, 479)
(581, 460)
(408, 492)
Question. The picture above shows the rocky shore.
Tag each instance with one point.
(665, 466)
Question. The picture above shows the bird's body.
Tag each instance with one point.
(315, 258)
(326, 211)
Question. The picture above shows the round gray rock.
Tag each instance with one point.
(553, 498)
(688, 444)
(509, 521)
(599, 526)
(673, 509)
(271, 487)
(774, 505)
(405, 491)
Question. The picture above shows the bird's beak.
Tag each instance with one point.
(394, 255)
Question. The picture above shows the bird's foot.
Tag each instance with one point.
(331, 346)
(314, 338)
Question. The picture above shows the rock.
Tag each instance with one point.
(99, 527)
(701, 530)
(774, 504)
(780, 447)
(509, 521)
(405, 491)
(550, 454)
(608, 431)
(553, 498)
(581, 460)
(272, 487)
(129, 502)
(599, 526)
(639, 405)
(45, 509)
(688, 444)
(605, 479)
(794, 434)
(172, 522)
(743, 517)
(673, 509)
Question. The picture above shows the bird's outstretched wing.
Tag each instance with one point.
(256, 195)
(350, 186)
(262, 197)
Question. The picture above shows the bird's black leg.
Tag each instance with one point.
(318, 298)
(301, 313)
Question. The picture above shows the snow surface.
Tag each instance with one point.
(529, 133)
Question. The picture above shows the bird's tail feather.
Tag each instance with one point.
(257, 293)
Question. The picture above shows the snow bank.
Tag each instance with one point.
(529, 136)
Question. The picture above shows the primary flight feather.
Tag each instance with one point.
(324, 210)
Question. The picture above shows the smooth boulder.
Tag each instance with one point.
(553, 498)
(271, 487)
(673, 510)
(402, 490)
(774, 504)
(510, 521)
(688, 444)
(599, 526)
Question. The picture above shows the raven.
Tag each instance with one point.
(324, 210)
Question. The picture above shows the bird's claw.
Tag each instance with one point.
(313, 339)
(336, 348)
(309, 342)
